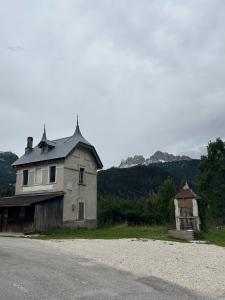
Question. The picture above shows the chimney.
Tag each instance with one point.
(29, 144)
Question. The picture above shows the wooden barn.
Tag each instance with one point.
(31, 213)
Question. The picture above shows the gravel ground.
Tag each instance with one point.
(198, 267)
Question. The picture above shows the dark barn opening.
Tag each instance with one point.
(31, 213)
(18, 218)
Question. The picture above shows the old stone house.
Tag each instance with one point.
(56, 186)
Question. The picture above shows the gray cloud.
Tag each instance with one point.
(143, 75)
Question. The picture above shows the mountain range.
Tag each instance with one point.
(140, 180)
(157, 157)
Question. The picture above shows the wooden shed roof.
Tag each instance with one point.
(27, 200)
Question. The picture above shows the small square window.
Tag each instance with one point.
(25, 177)
(52, 174)
(81, 176)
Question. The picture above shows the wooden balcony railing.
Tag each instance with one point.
(187, 223)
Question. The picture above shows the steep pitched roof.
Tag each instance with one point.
(58, 149)
(186, 193)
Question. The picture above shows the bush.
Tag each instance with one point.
(156, 208)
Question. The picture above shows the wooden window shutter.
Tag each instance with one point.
(81, 211)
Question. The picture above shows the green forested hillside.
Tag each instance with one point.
(181, 170)
(141, 180)
(142, 194)
(7, 173)
(132, 182)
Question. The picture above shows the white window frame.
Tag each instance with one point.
(35, 172)
(55, 174)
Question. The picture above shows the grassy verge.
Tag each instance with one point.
(117, 232)
(215, 236)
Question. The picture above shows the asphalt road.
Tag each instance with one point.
(31, 270)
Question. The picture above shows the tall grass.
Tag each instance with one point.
(116, 232)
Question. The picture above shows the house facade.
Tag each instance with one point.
(57, 182)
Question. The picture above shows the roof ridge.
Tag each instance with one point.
(63, 138)
(61, 148)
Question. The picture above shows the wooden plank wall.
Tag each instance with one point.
(185, 203)
(48, 215)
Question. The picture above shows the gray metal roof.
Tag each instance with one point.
(27, 200)
(58, 149)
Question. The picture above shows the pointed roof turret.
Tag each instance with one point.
(186, 186)
(44, 137)
(77, 136)
(77, 130)
(186, 193)
(44, 140)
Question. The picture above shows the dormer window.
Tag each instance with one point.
(25, 177)
(45, 144)
(44, 148)
(52, 174)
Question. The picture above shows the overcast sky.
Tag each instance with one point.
(142, 75)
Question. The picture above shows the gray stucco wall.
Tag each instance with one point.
(46, 186)
(67, 180)
(75, 192)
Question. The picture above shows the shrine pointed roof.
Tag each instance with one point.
(186, 193)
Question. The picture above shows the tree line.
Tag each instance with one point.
(158, 208)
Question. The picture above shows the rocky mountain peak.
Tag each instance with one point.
(132, 161)
(157, 157)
